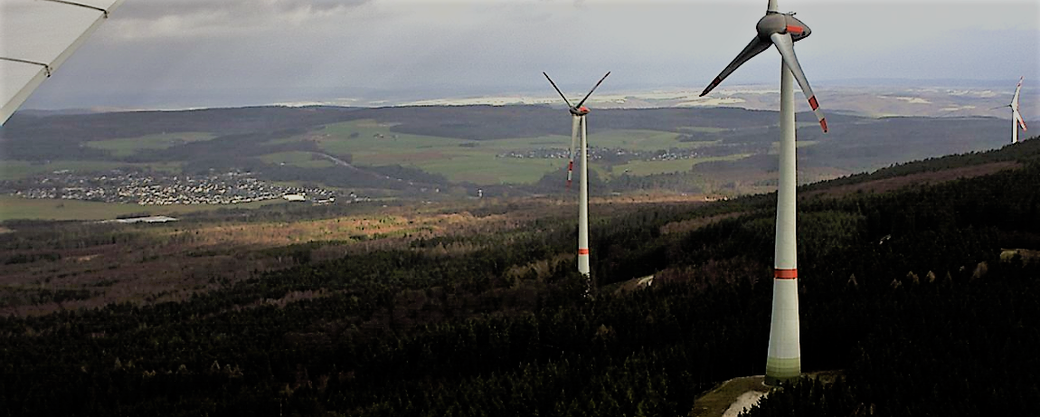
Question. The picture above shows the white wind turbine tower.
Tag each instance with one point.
(578, 113)
(1016, 116)
(783, 361)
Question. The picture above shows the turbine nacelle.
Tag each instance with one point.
(782, 23)
(578, 111)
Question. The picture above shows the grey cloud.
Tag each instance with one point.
(156, 10)
(160, 53)
(197, 16)
(184, 19)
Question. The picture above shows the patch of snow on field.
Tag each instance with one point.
(745, 400)
(914, 100)
(712, 102)
(909, 100)
(972, 93)
(958, 108)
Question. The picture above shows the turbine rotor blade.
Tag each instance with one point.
(1018, 117)
(785, 45)
(575, 125)
(756, 47)
(1014, 101)
(557, 90)
(593, 89)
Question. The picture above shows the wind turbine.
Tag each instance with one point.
(1016, 117)
(578, 113)
(782, 30)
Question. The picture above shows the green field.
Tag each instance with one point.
(641, 168)
(373, 144)
(485, 169)
(643, 140)
(13, 170)
(300, 159)
(12, 208)
(370, 149)
(129, 146)
(702, 129)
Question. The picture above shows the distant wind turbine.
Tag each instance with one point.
(1016, 116)
(783, 361)
(578, 113)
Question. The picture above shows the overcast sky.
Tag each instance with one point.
(201, 53)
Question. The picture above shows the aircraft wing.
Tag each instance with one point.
(36, 37)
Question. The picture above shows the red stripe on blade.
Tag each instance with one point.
(583, 251)
(823, 124)
(785, 273)
(795, 29)
(813, 103)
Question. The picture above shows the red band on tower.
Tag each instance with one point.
(583, 251)
(785, 273)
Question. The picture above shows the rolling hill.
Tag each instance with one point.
(454, 151)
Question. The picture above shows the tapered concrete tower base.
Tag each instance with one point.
(784, 359)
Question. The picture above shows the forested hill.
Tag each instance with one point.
(905, 289)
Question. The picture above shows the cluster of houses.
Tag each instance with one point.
(153, 189)
(608, 154)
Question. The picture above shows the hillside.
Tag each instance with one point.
(474, 308)
(450, 153)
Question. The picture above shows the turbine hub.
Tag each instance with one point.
(782, 23)
(580, 111)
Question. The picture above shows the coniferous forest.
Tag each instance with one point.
(908, 293)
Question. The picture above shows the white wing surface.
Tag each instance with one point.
(36, 37)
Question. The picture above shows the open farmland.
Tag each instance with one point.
(641, 168)
(453, 152)
(483, 162)
(14, 170)
(129, 146)
(299, 159)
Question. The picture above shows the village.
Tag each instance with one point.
(611, 155)
(151, 189)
